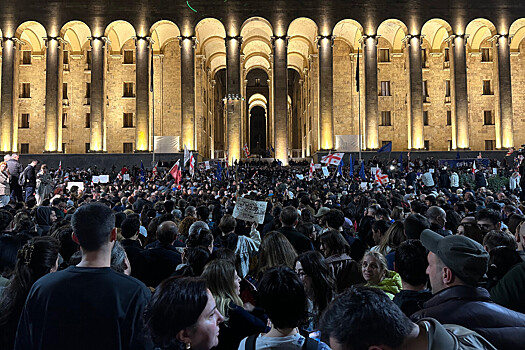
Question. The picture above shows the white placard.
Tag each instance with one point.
(250, 211)
(495, 171)
(95, 179)
(317, 166)
(126, 177)
(363, 185)
(325, 171)
(299, 176)
(207, 165)
(431, 170)
(80, 185)
(104, 179)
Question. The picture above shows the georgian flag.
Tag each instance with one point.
(311, 172)
(176, 172)
(192, 164)
(246, 150)
(332, 159)
(380, 178)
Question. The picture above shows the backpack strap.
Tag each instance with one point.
(250, 342)
(310, 344)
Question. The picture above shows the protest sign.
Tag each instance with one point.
(325, 171)
(248, 210)
(317, 166)
(299, 176)
(80, 185)
(104, 179)
(126, 177)
(95, 179)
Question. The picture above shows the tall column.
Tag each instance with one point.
(326, 89)
(302, 118)
(504, 92)
(8, 107)
(371, 132)
(142, 71)
(413, 46)
(213, 110)
(233, 93)
(280, 98)
(54, 87)
(187, 72)
(98, 94)
(269, 116)
(459, 90)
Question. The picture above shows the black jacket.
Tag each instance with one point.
(161, 262)
(30, 176)
(300, 242)
(472, 308)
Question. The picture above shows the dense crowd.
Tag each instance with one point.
(431, 258)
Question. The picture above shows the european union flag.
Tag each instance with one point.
(340, 168)
(400, 159)
(351, 172)
(142, 170)
(386, 148)
(362, 173)
(218, 173)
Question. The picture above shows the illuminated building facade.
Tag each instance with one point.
(83, 77)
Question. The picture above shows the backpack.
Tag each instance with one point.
(309, 344)
(22, 179)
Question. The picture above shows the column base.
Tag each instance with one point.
(52, 152)
(141, 151)
(97, 152)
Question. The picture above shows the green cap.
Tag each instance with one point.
(464, 256)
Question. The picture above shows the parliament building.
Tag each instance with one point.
(296, 77)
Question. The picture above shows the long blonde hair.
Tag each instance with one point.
(220, 275)
(393, 237)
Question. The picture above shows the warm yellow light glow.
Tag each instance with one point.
(142, 144)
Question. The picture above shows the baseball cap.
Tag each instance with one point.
(321, 212)
(464, 256)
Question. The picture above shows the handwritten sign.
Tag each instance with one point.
(248, 210)
(104, 179)
(325, 171)
(126, 177)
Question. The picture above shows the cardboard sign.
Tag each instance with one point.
(104, 179)
(325, 171)
(95, 179)
(80, 185)
(250, 211)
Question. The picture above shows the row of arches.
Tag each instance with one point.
(256, 52)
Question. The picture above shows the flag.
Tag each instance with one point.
(332, 159)
(142, 177)
(119, 176)
(155, 170)
(273, 149)
(255, 174)
(66, 177)
(312, 169)
(479, 155)
(218, 173)
(357, 72)
(246, 150)
(386, 148)
(457, 155)
(380, 178)
(192, 164)
(408, 156)
(186, 155)
(362, 173)
(176, 172)
(351, 171)
(400, 161)
(511, 150)
(340, 168)
(474, 167)
(60, 166)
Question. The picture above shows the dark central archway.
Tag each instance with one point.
(258, 130)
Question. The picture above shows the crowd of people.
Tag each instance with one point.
(145, 261)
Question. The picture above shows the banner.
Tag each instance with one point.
(463, 162)
(166, 144)
(250, 211)
(347, 143)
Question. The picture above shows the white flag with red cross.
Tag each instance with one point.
(380, 178)
(192, 164)
(332, 158)
(312, 169)
(246, 150)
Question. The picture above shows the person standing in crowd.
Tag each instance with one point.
(5, 179)
(455, 266)
(28, 179)
(289, 219)
(66, 310)
(376, 274)
(15, 169)
(44, 184)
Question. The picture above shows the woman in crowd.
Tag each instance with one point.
(343, 268)
(282, 295)
(35, 259)
(376, 274)
(44, 185)
(44, 218)
(393, 237)
(243, 246)
(5, 190)
(379, 229)
(182, 315)
(275, 250)
(318, 283)
(224, 284)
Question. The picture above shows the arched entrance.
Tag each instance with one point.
(258, 130)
